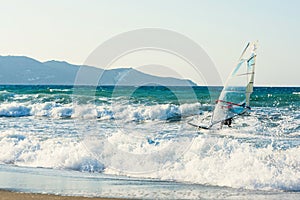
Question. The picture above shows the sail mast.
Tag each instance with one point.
(249, 88)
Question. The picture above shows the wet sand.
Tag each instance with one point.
(8, 195)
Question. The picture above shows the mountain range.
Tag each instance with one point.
(28, 71)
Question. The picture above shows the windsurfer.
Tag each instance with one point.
(234, 99)
(227, 122)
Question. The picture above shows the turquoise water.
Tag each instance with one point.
(142, 133)
(262, 96)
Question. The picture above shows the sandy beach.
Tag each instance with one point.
(8, 195)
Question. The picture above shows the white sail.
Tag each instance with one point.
(235, 96)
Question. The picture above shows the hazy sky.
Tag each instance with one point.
(71, 29)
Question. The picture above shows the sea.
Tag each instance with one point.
(135, 142)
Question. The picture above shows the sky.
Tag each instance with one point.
(71, 30)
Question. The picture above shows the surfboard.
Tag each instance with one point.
(199, 126)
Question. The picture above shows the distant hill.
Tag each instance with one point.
(27, 71)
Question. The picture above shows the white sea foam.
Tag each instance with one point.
(116, 111)
(209, 160)
(228, 162)
(59, 90)
(151, 145)
(26, 149)
(13, 110)
(224, 162)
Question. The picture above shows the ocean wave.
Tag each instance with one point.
(14, 110)
(25, 149)
(228, 163)
(103, 112)
(218, 161)
(59, 90)
(5, 95)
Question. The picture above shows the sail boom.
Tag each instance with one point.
(244, 74)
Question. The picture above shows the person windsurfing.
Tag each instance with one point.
(227, 122)
(234, 99)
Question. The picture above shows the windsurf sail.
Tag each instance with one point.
(235, 97)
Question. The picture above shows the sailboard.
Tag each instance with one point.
(234, 99)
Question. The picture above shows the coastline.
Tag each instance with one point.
(11, 195)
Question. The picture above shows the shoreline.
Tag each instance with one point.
(13, 195)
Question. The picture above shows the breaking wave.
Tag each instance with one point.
(116, 111)
(36, 132)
